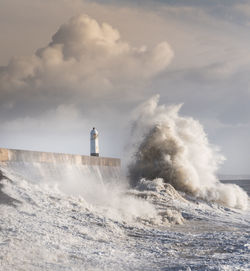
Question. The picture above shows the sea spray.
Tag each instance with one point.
(176, 149)
(48, 229)
(111, 198)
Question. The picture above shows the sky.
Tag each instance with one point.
(69, 65)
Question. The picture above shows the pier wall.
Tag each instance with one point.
(61, 168)
(9, 155)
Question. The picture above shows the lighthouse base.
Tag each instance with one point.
(94, 154)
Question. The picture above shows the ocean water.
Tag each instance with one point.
(108, 226)
(171, 213)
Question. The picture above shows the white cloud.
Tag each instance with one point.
(84, 59)
(72, 84)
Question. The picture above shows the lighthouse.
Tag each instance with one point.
(94, 145)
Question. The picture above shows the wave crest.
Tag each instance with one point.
(176, 149)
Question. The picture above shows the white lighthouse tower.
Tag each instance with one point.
(94, 144)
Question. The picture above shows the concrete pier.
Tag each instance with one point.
(60, 168)
(10, 155)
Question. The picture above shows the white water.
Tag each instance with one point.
(176, 149)
(152, 227)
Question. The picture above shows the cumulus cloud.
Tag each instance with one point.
(85, 74)
(85, 60)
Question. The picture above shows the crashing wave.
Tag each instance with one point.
(176, 149)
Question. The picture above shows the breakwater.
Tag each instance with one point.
(9, 155)
(58, 167)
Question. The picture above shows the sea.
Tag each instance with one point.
(67, 220)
